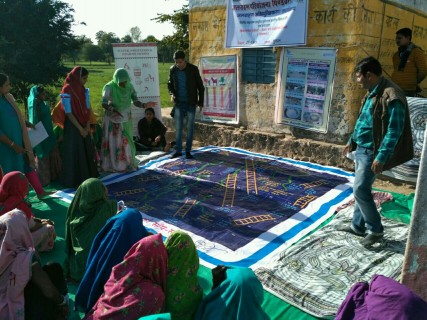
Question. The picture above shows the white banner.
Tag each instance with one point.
(141, 62)
(260, 23)
(219, 75)
(305, 87)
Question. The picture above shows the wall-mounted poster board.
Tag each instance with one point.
(219, 75)
(305, 87)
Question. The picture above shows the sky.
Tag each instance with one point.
(120, 16)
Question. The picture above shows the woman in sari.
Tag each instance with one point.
(47, 160)
(78, 159)
(86, 216)
(109, 247)
(15, 147)
(183, 292)
(13, 191)
(236, 294)
(118, 148)
(137, 285)
(27, 291)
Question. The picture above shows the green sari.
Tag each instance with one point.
(122, 100)
(86, 216)
(40, 111)
(183, 292)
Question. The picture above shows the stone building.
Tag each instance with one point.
(357, 28)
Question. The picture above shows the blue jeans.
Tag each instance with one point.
(179, 123)
(366, 215)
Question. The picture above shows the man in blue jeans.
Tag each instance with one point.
(187, 93)
(382, 139)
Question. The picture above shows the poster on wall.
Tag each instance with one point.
(141, 62)
(219, 75)
(305, 87)
(260, 23)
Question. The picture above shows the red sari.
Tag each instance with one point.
(136, 286)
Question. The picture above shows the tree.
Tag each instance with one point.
(91, 52)
(127, 39)
(135, 34)
(179, 19)
(150, 38)
(34, 34)
(105, 42)
(77, 45)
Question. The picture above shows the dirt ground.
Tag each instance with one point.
(390, 184)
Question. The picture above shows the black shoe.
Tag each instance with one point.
(349, 229)
(371, 239)
(176, 155)
(188, 155)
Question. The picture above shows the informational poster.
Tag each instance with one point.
(260, 23)
(305, 87)
(141, 62)
(219, 75)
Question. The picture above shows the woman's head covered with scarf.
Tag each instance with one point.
(13, 191)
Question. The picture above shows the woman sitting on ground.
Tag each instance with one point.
(27, 291)
(151, 133)
(236, 294)
(13, 191)
(183, 292)
(86, 216)
(137, 285)
(109, 247)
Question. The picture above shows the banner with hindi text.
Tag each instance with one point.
(260, 23)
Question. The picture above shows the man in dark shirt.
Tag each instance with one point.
(187, 93)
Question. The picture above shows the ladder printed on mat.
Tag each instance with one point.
(185, 208)
(303, 201)
(313, 184)
(230, 190)
(253, 219)
(127, 192)
(251, 184)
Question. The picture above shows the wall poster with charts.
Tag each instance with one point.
(219, 75)
(305, 87)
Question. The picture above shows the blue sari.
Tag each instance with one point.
(109, 247)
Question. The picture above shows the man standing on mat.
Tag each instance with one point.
(187, 93)
(382, 139)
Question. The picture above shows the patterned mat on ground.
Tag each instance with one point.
(316, 274)
(144, 156)
(239, 207)
(408, 171)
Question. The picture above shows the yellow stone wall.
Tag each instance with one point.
(356, 28)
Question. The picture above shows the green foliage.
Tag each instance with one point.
(105, 42)
(91, 52)
(179, 19)
(34, 34)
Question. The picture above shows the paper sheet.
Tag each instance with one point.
(38, 134)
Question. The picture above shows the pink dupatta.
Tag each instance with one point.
(16, 254)
(136, 286)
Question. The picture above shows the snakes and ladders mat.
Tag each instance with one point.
(241, 208)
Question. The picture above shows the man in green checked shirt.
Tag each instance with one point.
(382, 139)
